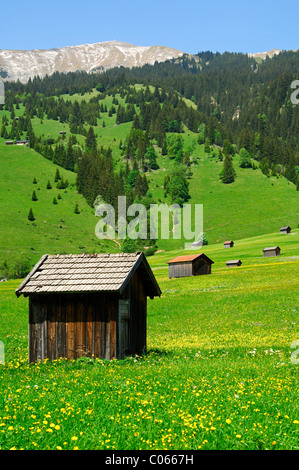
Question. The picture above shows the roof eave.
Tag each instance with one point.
(18, 291)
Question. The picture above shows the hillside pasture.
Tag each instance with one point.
(217, 373)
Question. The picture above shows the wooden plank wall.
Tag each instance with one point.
(72, 326)
(180, 269)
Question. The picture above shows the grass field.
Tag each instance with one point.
(218, 372)
(252, 205)
(217, 375)
(56, 227)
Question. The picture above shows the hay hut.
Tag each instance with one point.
(90, 305)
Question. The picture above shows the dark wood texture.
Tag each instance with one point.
(92, 324)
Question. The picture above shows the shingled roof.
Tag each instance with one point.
(87, 273)
(189, 258)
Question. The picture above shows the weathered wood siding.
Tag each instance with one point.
(180, 269)
(72, 325)
(195, 268)
(271, 253)
(98, 325)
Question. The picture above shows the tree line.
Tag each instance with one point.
(236, 98)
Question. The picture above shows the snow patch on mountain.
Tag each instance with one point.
(22, 64)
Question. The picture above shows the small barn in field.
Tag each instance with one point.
(285, 229)
(189, 265)
(234, 262)
(88, 305)
(228, 244)
(271, 251)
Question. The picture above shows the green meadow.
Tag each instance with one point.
(56, 228)
(254, 204)
(219, 372)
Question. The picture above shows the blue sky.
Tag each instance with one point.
(189, 26)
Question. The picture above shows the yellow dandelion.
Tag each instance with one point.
(228, 421)
(74, 438)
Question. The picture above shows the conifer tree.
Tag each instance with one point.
(228, 173)
(57, 175)
(31, 215)
(151, 157)
(245, 161)
(91, 141)
(34, 196)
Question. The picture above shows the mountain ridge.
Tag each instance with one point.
(24, 64)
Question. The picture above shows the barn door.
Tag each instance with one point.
(123, 328)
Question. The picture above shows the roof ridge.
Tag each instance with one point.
(94, 255)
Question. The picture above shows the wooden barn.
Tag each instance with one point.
(271, 251)
(233, 262)
(9, 142)
(189, 265)
(88, 305)
(228, 244)
(285, 229)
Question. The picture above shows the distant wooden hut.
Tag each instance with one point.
(271, 251)
(189, 265)
(285, 229)
(62, 132)
(234, 262)
(22, 142)
(228, 244)
(197, 243)
(88, 305)
(9, 142)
